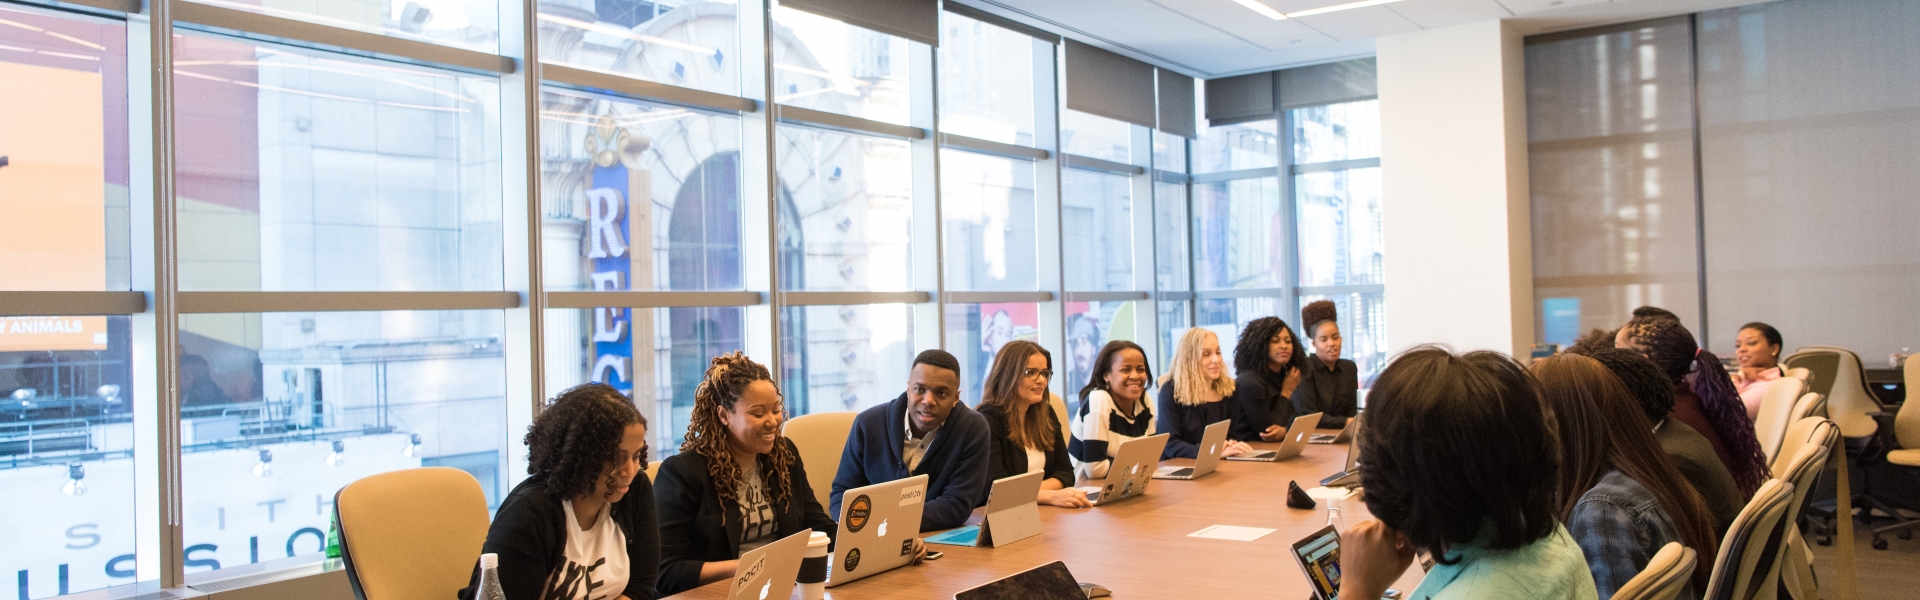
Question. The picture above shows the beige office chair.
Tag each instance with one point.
(1746, 567)
(1663, 578)
(1809, 405)
(653, 469)
(1903, 452)
(1811, 441)
(411, 534)
(1837, 375)
(1776, 406)
(1060, 415)
(1802, 374)
(821, 438)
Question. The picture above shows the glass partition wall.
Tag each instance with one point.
(352, 238)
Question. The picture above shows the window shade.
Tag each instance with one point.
(1002, 22)
(1110, 85)
(917, 20)
(1343, 81)
(1239, 99)
(1176, 104)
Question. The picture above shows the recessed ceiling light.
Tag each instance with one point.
(1263, 9)
(1337, 8)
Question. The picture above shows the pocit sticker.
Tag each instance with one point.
(913, 495)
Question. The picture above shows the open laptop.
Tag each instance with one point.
(1013, 514)
(878, 525)
(1132, 467)
(1291, 445)
(1211, 443)
(1051, 581)
(1345, 435)
(1319, 556)
(769, 571)
(1349, 476)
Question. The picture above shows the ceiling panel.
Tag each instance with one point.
(1429, 14)
(1360, 23)
(1522, 7)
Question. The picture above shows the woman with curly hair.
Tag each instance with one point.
(1331, 385)
(1268, 366)
(1024, 434)
(737, 484)
(583, 522)
(1703, 395)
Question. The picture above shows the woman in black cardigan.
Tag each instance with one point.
(736, 485)
(585, 453)
(1025, 434)
(1331, 385)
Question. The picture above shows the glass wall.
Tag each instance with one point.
(384, 255)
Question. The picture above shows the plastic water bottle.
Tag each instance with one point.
(489, 579)
(333, 536)
(1333, 515)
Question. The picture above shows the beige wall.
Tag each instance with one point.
(1454, 160)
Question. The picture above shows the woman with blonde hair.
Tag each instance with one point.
(737, 483)
(1023, 432)
(1196, 392)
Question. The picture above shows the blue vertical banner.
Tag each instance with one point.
(610, 262)
(1560, 320)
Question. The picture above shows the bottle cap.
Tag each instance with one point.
(489, 560)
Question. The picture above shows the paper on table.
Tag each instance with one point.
(1231, 532)
(1327, 493)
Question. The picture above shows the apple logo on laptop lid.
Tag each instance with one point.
(883, 528)
(765, 589)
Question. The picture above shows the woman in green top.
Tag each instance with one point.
(1461, 462)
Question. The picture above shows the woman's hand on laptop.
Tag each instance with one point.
(1372, 556)
(1235, 448)
(1065, 498)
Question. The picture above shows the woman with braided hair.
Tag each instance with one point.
(1703, 395)
(736, 485)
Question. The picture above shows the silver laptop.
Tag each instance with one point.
(769, 571)
(1131, 469)
(1345, 435)
(1290, 445)
(1211, 443)
(878, 525)
(1013, 514)
(1350, 476)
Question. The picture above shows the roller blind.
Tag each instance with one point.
(1176, 104)
(917, 20)
(1110, 85)
(1238, 99)
(1329, 83)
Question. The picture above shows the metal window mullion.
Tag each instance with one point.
(1289, 299)
(158, 514)
(646, 91)
(1050, 204)
(776, 300)
(847, 123)
(61, 304)
(524, 325)
(992, 148)
(929, 264)
(1333, 165)
(264, 27)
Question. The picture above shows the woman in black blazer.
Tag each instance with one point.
(1331, 385)
(1025, 434)
(736, 485)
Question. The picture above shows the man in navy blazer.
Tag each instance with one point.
(926, 430)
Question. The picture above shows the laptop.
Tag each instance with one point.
(1130, 471)
(1319, 557)
(769, 571)
(1345, 435)
(1349, 476)
(878, 525)
(1051, 581)
(1211, 442)
(1291, 445)
(1012, 515)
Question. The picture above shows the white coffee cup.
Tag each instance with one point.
(813, 571)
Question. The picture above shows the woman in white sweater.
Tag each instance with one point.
(1113, 408)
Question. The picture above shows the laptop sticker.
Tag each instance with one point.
(853, 559)
(858, 512)
(906, 546)
(913, 495)
(749, 573)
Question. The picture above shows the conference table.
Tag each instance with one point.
(1140, 547)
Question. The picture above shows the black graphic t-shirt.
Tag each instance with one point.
(756, 511)
(596, 565)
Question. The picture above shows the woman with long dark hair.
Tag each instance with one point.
(737, 483)
(1621, 499)
(1113, 407)
(1268, 366)
(1023, 433)
(1703, 395)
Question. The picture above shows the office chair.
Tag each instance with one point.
(1802, 374)
(415, 533)
(1811, 441)
(1809, 405)
(1770, 425)
(1838, 376)
(1746, 566)
(1903, 452)
(821, 438)
(1663, 578)
(1060, 415)
(653, 469)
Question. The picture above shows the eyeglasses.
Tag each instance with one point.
(1042, 373)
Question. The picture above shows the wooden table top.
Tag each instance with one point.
(1139, 547)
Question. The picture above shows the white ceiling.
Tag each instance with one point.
(1217, 38)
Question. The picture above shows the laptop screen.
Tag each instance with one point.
(1319, 555)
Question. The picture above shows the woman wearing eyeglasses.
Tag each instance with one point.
(1024, 434)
